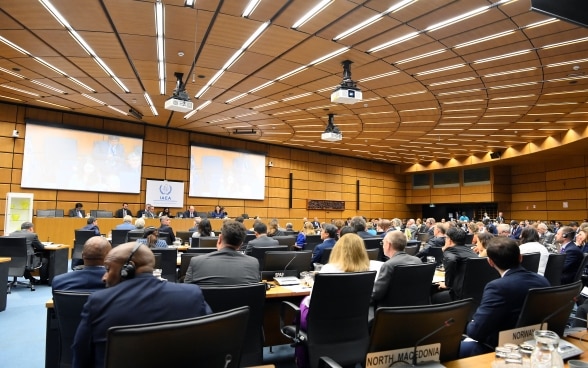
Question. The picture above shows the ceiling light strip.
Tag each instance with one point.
(150, 103)
(20, 90)
(54, 104)
(160, 45)
(312, 13)
(250, 8)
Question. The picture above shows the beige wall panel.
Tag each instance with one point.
(532, 196)
(565, 184)
(8, 114)
(177, 175)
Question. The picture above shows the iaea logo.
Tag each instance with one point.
(165, 190)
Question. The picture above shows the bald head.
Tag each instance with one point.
(143, 260)
(95, 250)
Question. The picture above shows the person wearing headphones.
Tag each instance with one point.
(565, 237)
(132, 296)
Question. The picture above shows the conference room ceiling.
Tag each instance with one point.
(487, 81)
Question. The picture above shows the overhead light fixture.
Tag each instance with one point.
(250, 8)
(189, 3)
(495, 155)
(136, 114)
(160, 44)
(244, 131)
(332, 132)
(312, 13)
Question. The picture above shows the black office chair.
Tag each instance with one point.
(337, 318)
(551, 305)
(326, 255)
(248, 238)
(165, 236)
(469, 239)
(412, 250)
(133, 235)
(223, 298)
(285, 263)
(288, 240)
(554, 268)
(582, 269)
(373, 254)
(423, 237)
(118, 237)
(214, 340)
(476, 275)
(259, 252)
(101, 214)
(312, 241)
(207, 241)
(531, 261)
(436, 252)
(184, 235)
(80, 238)
(409, 285)
(403, 327)
(169, 263)
(201, 250)
(22, 260)
(68, 307)
(46, 213)
(157, 261)
(185, 259)
(372, 243)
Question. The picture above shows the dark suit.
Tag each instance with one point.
(171, 236)
(34, 245)
(381, 285)
(454, 259)
(436, 241)
(574, 258)
(87, 279)
(501, 304)
(142, 299)
(146, 213)
(516, 233)
(74, 213)
(120, 213)
(92, 227)
(261, 241)
(187, 214)
(224, 267)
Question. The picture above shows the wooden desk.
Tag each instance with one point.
(486, 360)
(271, 322)
(4, 262)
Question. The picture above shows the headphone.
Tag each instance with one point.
(128, 269)
(567, 235)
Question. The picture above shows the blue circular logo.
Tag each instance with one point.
(165, 189)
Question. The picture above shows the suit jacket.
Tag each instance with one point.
(87, 279)
(171, 236)
(383, 281)
(120, 213)
(73, 213)
(574, 256)
(436, 241)
(142, 299)
(146, 213)
(501, 304)
(125, 226)
(317, 252)
(224, 267)
(516, 233)
(262, 241)
(33, 242)
(93, 228)
(187, 214)
(454, 263)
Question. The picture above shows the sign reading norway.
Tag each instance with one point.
(164, 193)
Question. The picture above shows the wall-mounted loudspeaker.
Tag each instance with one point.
(495, 154)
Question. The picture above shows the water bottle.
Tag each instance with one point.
(545, 354)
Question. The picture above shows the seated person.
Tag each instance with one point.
(301, 238)
(127, 224)
(218, 212)
(329, 236)
(165, 227)
(482, 240)
(89, 278)
(204, 229)
(150, 238)
(165, 212)
(503, 298)
(261, 238)
(196, 222)
(227, 266)
(27, 231)
(438, 240)
(78, 211)
(92, 225)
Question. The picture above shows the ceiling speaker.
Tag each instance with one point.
(495, 154)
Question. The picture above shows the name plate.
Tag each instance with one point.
(403, 357)
(518, 335)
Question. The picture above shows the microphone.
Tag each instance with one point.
(288, 264)
(447, 323)
(558, 310)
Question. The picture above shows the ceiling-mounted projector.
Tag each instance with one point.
(180, 100)
(332, 132)
(347, 92)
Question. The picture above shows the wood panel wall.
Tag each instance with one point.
(166, 155)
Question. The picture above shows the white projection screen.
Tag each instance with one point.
(219, 173)
(70, 159)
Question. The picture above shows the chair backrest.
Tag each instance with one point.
(185, 259)
(215, 340)
(409, 285)
(259, 252)
(184, 235)
(165, 236)
(15, 248)
(202, 214)
(423, 237)
(81, 236)
(288, 240)
(554, 268)
(208, 241)
(68, 307)
(531, 261)
(290, 263)
(469, 238)
(551, 305)
(372, 243)
(201, 250)
(582, 268)
(50, 213)
(373, 254)
(101, 214)
(403, 327)
(118, 237)
(248, 238)
(436, 252)
(338, 315)
(312, 241)
(169, 262)
(157, 262)
(412, 250)
(134, 235)
(222, 298)
(326, 255)
(477, 274)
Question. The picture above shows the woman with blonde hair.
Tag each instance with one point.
(308, 229)
(273, 228)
